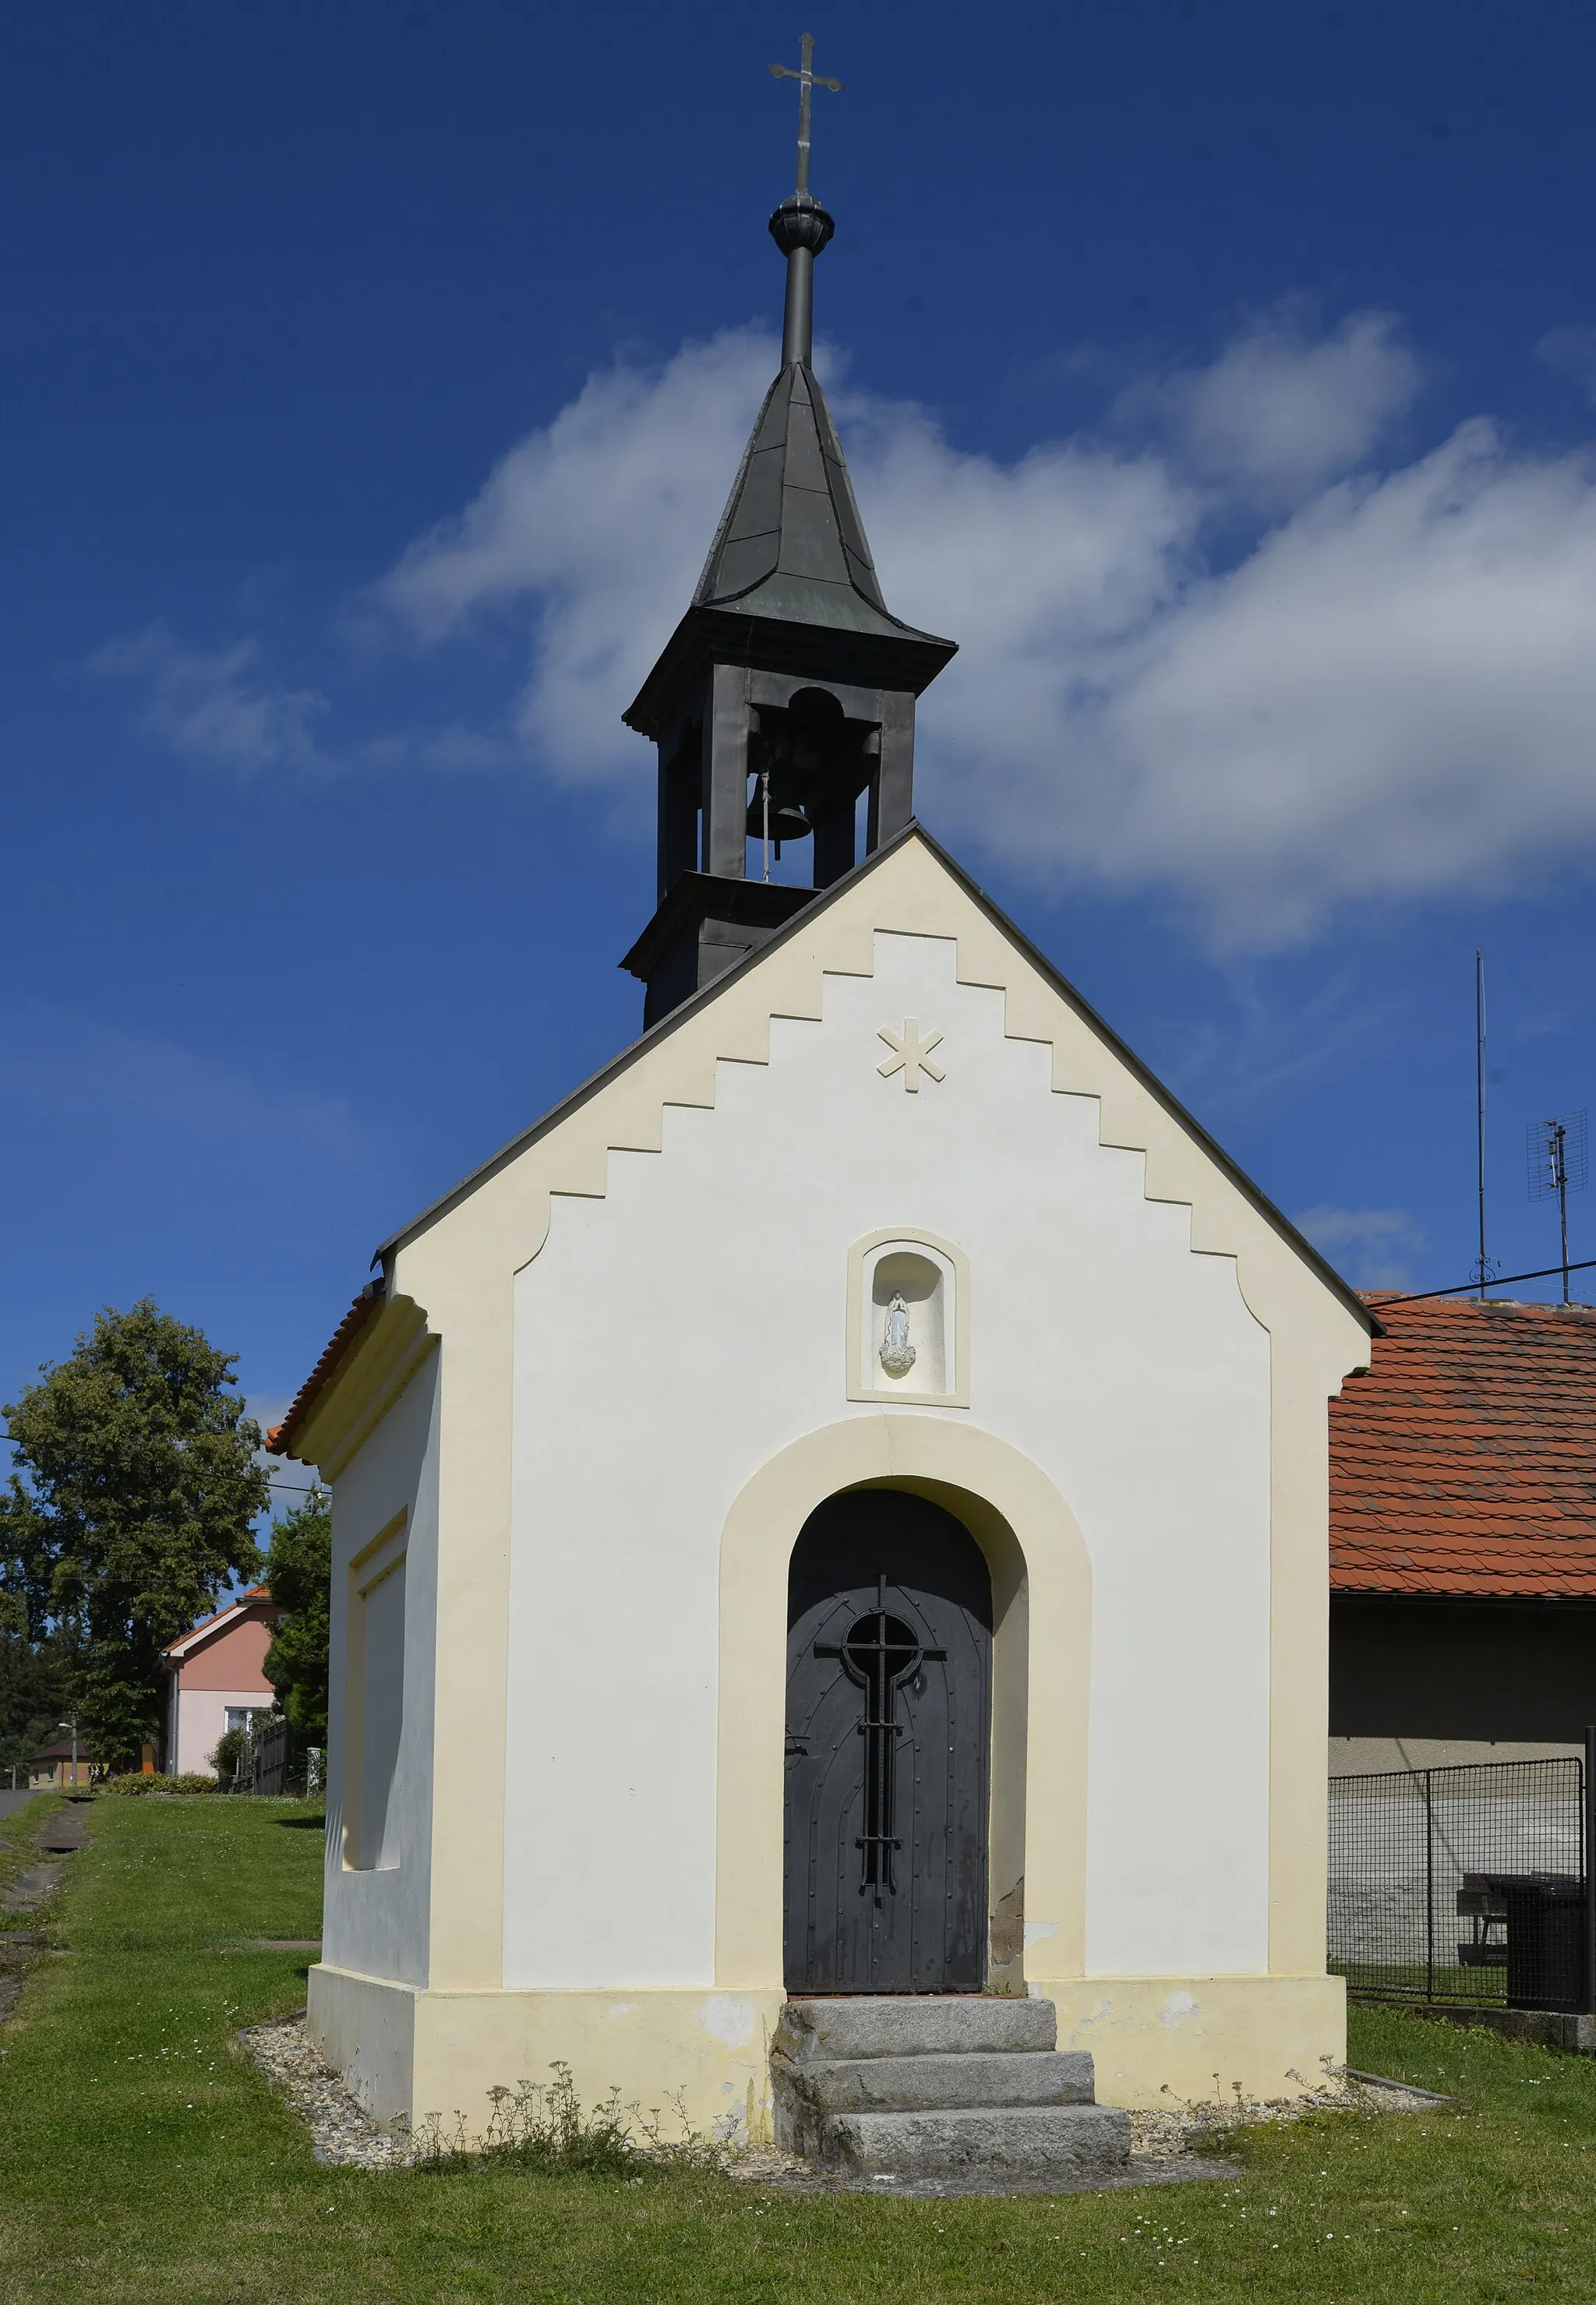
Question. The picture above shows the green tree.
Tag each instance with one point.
(35, 1691)
(131, 1511)
(299, 1573)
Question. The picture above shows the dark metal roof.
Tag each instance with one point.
(791, 545)
(694, 896)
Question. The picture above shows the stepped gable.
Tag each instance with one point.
(1463, 1463)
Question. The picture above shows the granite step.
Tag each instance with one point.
(1065, 2143)
(914, 2025)
(950, 2087)
(941, 2082)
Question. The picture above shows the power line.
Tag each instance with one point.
(1501, 1280)
(295, 1488)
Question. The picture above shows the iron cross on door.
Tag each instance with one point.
(880, 1652)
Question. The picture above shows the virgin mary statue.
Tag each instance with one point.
(897, 1353)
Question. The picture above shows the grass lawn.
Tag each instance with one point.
(143, 2159)
(16, 1836)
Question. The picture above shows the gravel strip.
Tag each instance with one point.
(1180, 2128)
(343, 2134)
(789, 2173)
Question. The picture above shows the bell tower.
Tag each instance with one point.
(786, 696)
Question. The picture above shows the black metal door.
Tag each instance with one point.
(889, 1649)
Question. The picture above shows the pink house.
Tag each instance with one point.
(216, 1679)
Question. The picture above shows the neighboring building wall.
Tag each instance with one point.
(1462, 1538)
(1487, 1671)
(1358, 1756)
(201, 1721)
(226, 1672)
(59, 1772)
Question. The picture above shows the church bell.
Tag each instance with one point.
(784, 821)
(798, 754)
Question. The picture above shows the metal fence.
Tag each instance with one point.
(1462, 1884)
(269, 1756)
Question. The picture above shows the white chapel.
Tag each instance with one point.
(830, 1588)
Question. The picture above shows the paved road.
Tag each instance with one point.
(11, 1802)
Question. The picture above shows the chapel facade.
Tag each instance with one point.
(835, 1513)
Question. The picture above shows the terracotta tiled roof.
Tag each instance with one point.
(1465, 1462)
(281, 1437)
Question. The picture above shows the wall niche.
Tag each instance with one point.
(908, 1321)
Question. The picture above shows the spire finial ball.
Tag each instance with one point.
(801, 222)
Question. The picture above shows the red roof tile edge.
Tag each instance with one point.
(280, 1439)
(1463, 1464)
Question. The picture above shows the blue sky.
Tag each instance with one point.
(1221, 375)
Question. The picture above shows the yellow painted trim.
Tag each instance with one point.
(409, 2053)
(370, 1564)
(1041, 1578)
(1152, 2038)
(362, 1391)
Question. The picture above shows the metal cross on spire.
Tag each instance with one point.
(807, 80)
(801, 226)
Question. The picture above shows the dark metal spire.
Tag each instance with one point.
(801, 226)
(791, 545)
(791, 548)
(788, 672)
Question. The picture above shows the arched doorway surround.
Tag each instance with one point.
(1041, 1599)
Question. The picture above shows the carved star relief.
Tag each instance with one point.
(911, 1054)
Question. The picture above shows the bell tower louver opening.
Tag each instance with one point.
(787, 692)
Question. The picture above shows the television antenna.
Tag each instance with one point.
(1559, 1155)
(1485, 1268)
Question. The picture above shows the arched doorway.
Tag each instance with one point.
(889, 1656)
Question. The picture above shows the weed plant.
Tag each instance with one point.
(541, 2125)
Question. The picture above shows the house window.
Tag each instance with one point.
(239, 1717)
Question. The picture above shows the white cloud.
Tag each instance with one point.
(1389, 696)
(1279, 411)
(218, 707)
(602, 520)
(1370, 1242)
(1386, 693)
